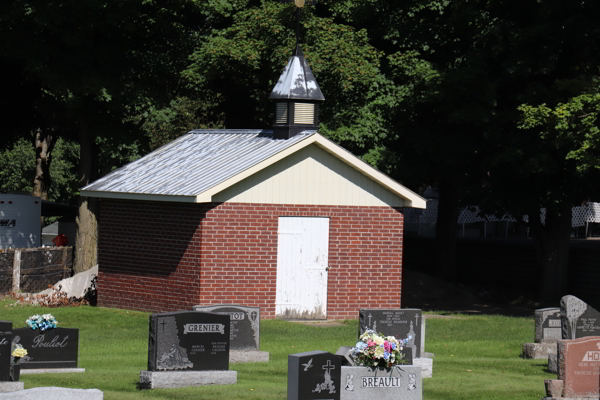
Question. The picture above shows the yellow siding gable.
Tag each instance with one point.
(310, 176)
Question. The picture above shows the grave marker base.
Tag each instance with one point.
(238, 357)
(538, 351)
(7, 387)
(178, 379)
(51, 371)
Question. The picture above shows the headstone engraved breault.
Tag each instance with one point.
(183, 344)
(244, 331)
(578, 318)
(548, 332)
(314, 375)
(398, 382)
(51, 349)
(6, 385)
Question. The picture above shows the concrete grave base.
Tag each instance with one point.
(178, 379)
(237, 357)
(569, 398)
(396, 383)
(54, 393)
(7, 386)
(51, 371)
(538, 351)
(426, 365)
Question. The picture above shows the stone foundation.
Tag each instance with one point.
(538, 351)
(178, 379)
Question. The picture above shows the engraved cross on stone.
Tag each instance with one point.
(370, 316)
(417, 320)
(163, 325)
(328, 366)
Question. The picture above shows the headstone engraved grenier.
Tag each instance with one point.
(579, 370)
(244, 331)
(401, 323)
(314, 375)
(548, 331)
(187, 348)
(50, 349)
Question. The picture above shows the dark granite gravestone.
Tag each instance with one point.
(54, 348)
(578, 318)
(244, 328)
(5, 326)
(188, 341)
(400, 323)
(314, 375)
(548, 325)
(5, 355)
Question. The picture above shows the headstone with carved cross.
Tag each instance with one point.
(314, 375)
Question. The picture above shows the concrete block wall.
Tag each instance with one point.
(158, 256)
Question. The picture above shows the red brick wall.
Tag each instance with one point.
(156, 256)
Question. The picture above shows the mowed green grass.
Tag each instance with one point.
(476, 357)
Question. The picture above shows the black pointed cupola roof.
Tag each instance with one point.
(297, 81)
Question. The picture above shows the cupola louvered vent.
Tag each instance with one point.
(304, 113)
(281, 112)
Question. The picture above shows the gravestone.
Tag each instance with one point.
(244, 324)
(578, 318)
(400, 323)
(548, 325)
(187, 348)
(5, 326)
(579, 369)
(398, 382)
(53, 348)
(314, 375)
(548, 331)
(5, 355)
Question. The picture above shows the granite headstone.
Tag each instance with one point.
(5, 326)
(314, 375)
(244, 330)
(578, 318)
(188, 341)
(548, 325)
(5, 355)
(53, 348)
(580, 366)
(398, 382)
(401, 323)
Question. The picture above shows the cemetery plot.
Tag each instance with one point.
(53, 348)
(188, 340)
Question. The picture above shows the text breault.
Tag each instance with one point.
(373, 382)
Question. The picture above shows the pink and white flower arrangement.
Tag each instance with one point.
(376, 350)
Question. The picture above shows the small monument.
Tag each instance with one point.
(579, 370)
(578, 318)
(55, 348)
(314, 375)
(398, 382)
(187, 348)
(401, 323)
(547, 333)
(244, 332)
(7, 384)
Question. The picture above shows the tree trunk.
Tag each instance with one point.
(445, 229)
(552, 241)
(44, 144)
(86, 245)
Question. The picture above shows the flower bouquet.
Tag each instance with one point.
(376, 350)
(41, 322)
(18, 352)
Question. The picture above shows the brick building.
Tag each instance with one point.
(283, 219)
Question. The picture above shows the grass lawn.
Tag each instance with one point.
(476, 357)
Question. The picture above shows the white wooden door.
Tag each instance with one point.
(302, 263)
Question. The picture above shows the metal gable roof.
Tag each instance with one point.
(194, 163)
